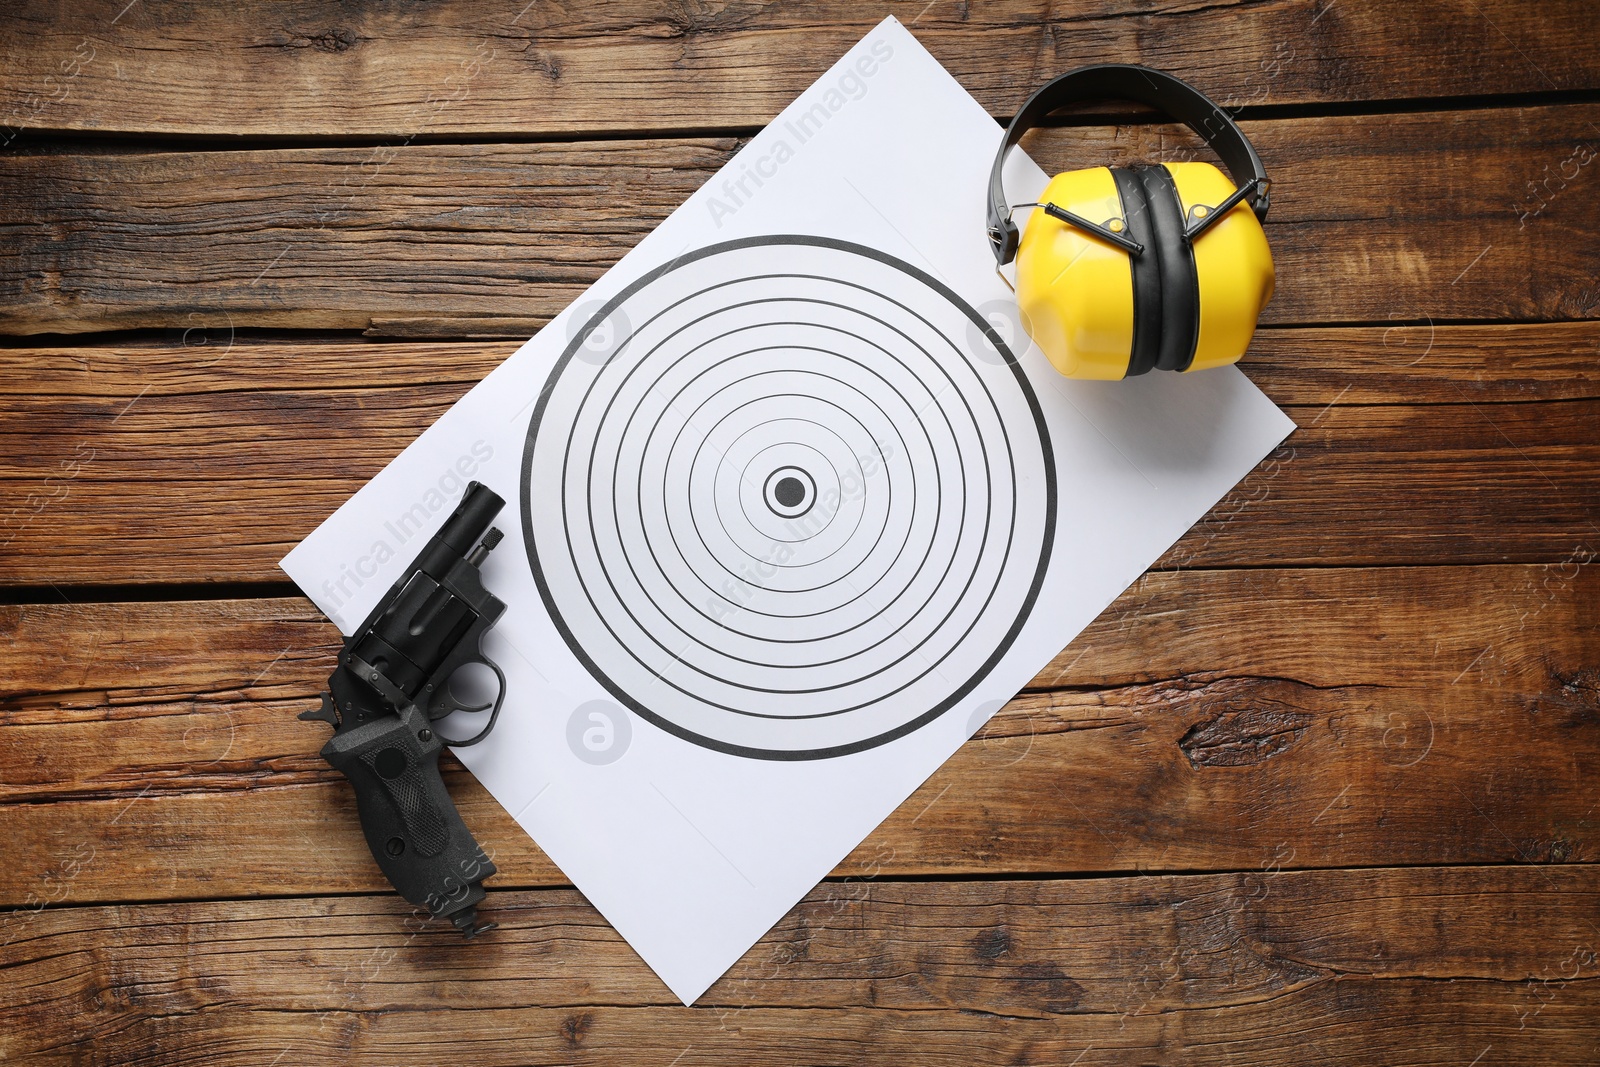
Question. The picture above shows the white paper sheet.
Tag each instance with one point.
(799, 525)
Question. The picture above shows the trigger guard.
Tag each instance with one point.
(444, 702)
(454, 705)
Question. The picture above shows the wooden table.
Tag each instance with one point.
(1321, 788)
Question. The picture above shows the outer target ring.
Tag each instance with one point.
(957, 692)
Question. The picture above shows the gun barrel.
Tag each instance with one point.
(478, 507)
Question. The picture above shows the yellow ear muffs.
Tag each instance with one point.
(1083, 298)
(1233, 265)
(1127, 270)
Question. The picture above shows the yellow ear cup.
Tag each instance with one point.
(1232, 261)
(1075, 289)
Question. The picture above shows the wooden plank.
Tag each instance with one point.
(314, 67)
(1312, 366)
(331, 237)
(319, 67)
(1348, 1023)
(1502, 363)
(222, 470)
(1437, 216)
(1209, 720)
(1270, 967)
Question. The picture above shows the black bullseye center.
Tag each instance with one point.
(789, 491)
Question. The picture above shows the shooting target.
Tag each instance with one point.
(788, 497)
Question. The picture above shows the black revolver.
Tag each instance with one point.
(392, 683)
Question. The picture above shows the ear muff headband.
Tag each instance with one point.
(1122, 81)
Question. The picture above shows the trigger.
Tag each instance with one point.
(445, 703)
(326, 713)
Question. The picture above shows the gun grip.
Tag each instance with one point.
(410, 822)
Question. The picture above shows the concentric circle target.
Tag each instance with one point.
(790, 509)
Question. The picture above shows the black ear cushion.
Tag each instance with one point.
(1174, 258)
(1146, 271)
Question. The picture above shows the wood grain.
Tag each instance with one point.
(317, 67)
(1425, 363)
(1388, 219)
(1270, 967)
(328, 238)
(1319, 789)
(223, 458)
(1209, 720)
(1308, 366)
